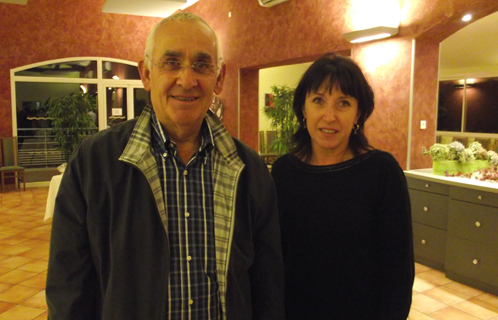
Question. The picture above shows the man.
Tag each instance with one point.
(167, 216)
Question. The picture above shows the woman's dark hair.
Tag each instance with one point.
(332, 69)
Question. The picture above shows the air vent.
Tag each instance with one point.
(270, 3)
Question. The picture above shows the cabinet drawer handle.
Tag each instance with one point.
(426, 209)
(423, 241)
(427, 185)
(479, 197)
(475, 261)
(478, 224)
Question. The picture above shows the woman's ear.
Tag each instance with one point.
(144, 71)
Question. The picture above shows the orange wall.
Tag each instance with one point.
(256, 37)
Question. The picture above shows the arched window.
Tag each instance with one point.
(115, 84)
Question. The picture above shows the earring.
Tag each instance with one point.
(356, 128)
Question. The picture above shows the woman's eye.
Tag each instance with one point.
(345, 103)
(317, 100)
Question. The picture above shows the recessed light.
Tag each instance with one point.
(467, 17)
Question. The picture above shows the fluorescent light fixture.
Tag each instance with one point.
(467, 17)
(370, 34)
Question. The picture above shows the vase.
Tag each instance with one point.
(453, 167)
(444, 167)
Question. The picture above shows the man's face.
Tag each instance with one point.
(181, 98)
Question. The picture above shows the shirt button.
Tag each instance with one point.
(165, 155)
(189, 258)
(191, 302)
(185, 172)
(187, 214)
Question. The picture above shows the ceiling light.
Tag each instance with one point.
(83, 88)
(467, 17)
(115, 77)
(370, 34)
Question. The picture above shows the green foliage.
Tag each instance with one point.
(71, 120)
(282, 118)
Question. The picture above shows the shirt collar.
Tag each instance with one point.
(161, 134)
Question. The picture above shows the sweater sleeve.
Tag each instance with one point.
(70, 287)
(396, 245)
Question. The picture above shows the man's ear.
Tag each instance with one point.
(144, 74)
(220, 80)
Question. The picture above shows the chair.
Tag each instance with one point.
(9, 167)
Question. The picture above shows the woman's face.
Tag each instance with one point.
(330, 117)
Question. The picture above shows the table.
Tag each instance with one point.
(52, 194)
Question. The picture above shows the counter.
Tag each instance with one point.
(455, 227)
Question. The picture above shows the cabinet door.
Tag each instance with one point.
(473, 260)
(473, 222)
(474, 196)
(429, 242)
(429, 208)
(427, 186)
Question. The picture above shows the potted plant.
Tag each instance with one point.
(454, 159)
(72, 119)
(282, 118)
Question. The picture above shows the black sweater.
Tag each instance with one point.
(347, 238)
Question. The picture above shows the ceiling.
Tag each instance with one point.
(474, 47)
(151, 8)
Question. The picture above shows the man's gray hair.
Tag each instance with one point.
(181, 16)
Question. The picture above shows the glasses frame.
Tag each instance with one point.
(179, 71)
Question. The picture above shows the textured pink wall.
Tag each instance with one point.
(388, 70)
(53, 29)
(254, 37)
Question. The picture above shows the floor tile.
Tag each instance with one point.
(446, 295)
(17, 294)
(478, 308)
(421, 285)
(21, 313)
(426, 304)
(451, 313)
(416, 315)
(16, 276)
(36, 301)
(434, 276)
(466, 290)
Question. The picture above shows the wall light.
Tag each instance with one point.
(370, 34)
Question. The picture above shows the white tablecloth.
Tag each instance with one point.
(52, 194)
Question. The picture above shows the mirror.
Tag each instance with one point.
(468, 82)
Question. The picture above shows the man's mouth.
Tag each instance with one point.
(185, 98)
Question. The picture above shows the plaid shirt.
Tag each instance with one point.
(227, 168)
(188, 193)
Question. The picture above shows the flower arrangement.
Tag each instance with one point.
(455, 159)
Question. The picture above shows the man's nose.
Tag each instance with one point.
(187, 77)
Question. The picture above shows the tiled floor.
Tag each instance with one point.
(24, 238)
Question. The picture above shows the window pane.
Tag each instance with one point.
(120, 70)
(37, 147)
(141, 98)
(117, 111)
(70, 69)
(449, 115)
(482, 106)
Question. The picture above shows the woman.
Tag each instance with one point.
(344, 206)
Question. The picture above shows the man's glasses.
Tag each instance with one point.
(175, 67)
